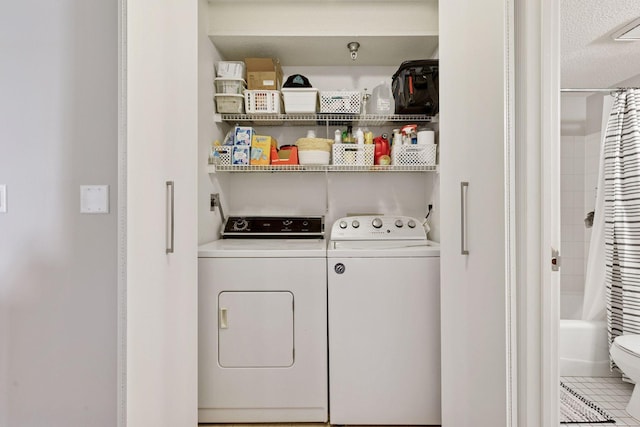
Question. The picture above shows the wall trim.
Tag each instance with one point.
(121, 369)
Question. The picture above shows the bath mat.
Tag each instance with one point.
(575, 408)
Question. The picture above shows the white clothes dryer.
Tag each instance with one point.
(263, 323)
(384, 322)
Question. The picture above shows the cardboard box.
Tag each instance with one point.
(263, 74)
(261, 149)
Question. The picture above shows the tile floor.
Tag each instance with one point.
(611, 394)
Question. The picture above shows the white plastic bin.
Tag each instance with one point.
(300, 100)
(229, 103)
(263, 101)
(348, 102)
(230, 85)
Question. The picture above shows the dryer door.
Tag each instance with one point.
(255, 329)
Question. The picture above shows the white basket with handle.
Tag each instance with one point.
(414, 154)
(262, 101)
(353, 154)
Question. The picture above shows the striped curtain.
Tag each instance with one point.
(622, 214)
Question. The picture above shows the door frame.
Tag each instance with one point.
(538, 206)
(121, 368)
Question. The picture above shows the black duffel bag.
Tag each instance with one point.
(415, 87)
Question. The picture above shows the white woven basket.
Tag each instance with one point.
(353, 154)
(414, 154)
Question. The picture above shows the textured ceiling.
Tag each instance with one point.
(589, 56)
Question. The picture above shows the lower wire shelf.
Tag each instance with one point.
(212, 168)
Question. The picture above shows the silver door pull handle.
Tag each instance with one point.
(464, 186)
(170, 211)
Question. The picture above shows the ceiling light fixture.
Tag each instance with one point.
(628, 33)
(353, 48)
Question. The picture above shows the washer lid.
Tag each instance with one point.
(264, 248)
(383, 248)
(629, 343)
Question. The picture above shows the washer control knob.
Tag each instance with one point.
(240, 225)
(377, 223)
(339, 268)
(399, 223)
(411, 223)
(343, 224)
(355, 223)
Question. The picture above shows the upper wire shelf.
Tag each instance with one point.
(322, 118)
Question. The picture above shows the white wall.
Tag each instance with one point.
(58, 130)
(572, 211)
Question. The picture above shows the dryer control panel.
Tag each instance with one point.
(381, 227)
(273, 227)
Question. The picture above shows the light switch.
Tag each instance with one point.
(3, 198)
(94, 199)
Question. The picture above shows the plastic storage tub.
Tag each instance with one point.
(300, 100)
(314, 157)
(229, 103)
(230, 85)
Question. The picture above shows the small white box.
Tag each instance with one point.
(300, 100)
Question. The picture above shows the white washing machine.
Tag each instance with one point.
(384, 322)
(263, 322)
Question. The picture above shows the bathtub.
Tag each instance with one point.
(583, 349)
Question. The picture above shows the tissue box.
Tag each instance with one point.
(261, 149)
(243, 135)
(240, 155)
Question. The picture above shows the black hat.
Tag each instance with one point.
(297, 80)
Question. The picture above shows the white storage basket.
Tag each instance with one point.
(353, 154)
(221, 155)
(414, 154)
(342, 102)
(229, 103)
(227, 85)
(262, 101)
(300, 100)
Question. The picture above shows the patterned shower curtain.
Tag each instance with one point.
(622, 214)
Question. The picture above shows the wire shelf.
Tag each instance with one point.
(322, 168)
(322, 118)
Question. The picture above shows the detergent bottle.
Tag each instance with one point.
(381, 153)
